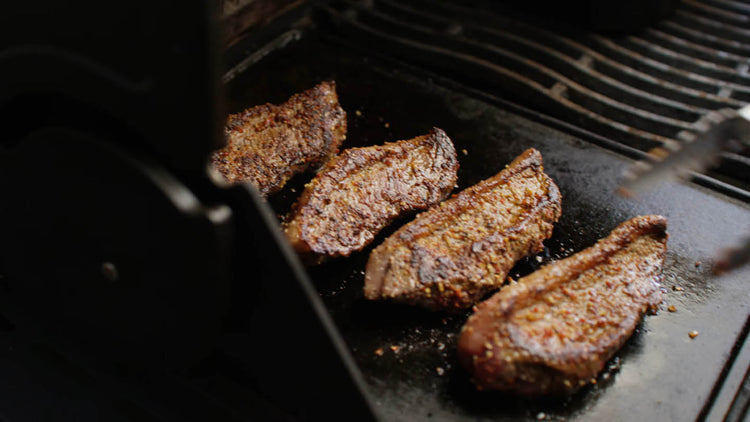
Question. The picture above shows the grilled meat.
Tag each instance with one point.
(450, 256)
(362, 190)
(268, 144)
(554, 330)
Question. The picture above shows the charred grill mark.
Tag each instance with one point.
(568, 318)
(361, 191)
(452, 255)
(268, 144)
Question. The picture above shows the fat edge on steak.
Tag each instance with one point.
(268, 144)
(360, 191)
(451, 256)
(553, 331)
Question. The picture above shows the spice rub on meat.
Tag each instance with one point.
(362, 190)
(450, 256)
(268, 144)
(554, 330)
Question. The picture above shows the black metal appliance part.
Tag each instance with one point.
(133, 288)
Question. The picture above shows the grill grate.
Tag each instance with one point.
(640, 91)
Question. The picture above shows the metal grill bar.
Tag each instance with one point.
(735, 6)
(716, 13)
(727, 47)
(662, 70)
(632, 76)
(641, 91)
(707, 24)
(526, 75)
(684, 61)
(576, 65)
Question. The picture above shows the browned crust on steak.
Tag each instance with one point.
(362, 190)
(268, 144)
(450, 256)
(554, 330)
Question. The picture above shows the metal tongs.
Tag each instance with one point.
(719, 131)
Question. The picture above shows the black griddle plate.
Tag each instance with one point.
(660, 374)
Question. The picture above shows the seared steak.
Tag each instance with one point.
(268, 144)
(362, 190)
(553, 330)
(450, 256)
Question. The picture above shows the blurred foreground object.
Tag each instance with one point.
(717, 132)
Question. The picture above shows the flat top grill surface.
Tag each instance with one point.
(400, 70)
(660, 374)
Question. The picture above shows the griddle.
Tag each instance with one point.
(257, 335)
(407, 356)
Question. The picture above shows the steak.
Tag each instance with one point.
(268, 144)
(553, 331)
(451, 256)
(362, 190)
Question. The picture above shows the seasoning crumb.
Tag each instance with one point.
(440, 371)
(387, 125)
(693, 334)
(541, 416)
(357, 112)
(464, 152)
(697, 264)
(294, 190)
(672, 308)
(677, 288)
(379, 351)
(394, 348)
(539, 258)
